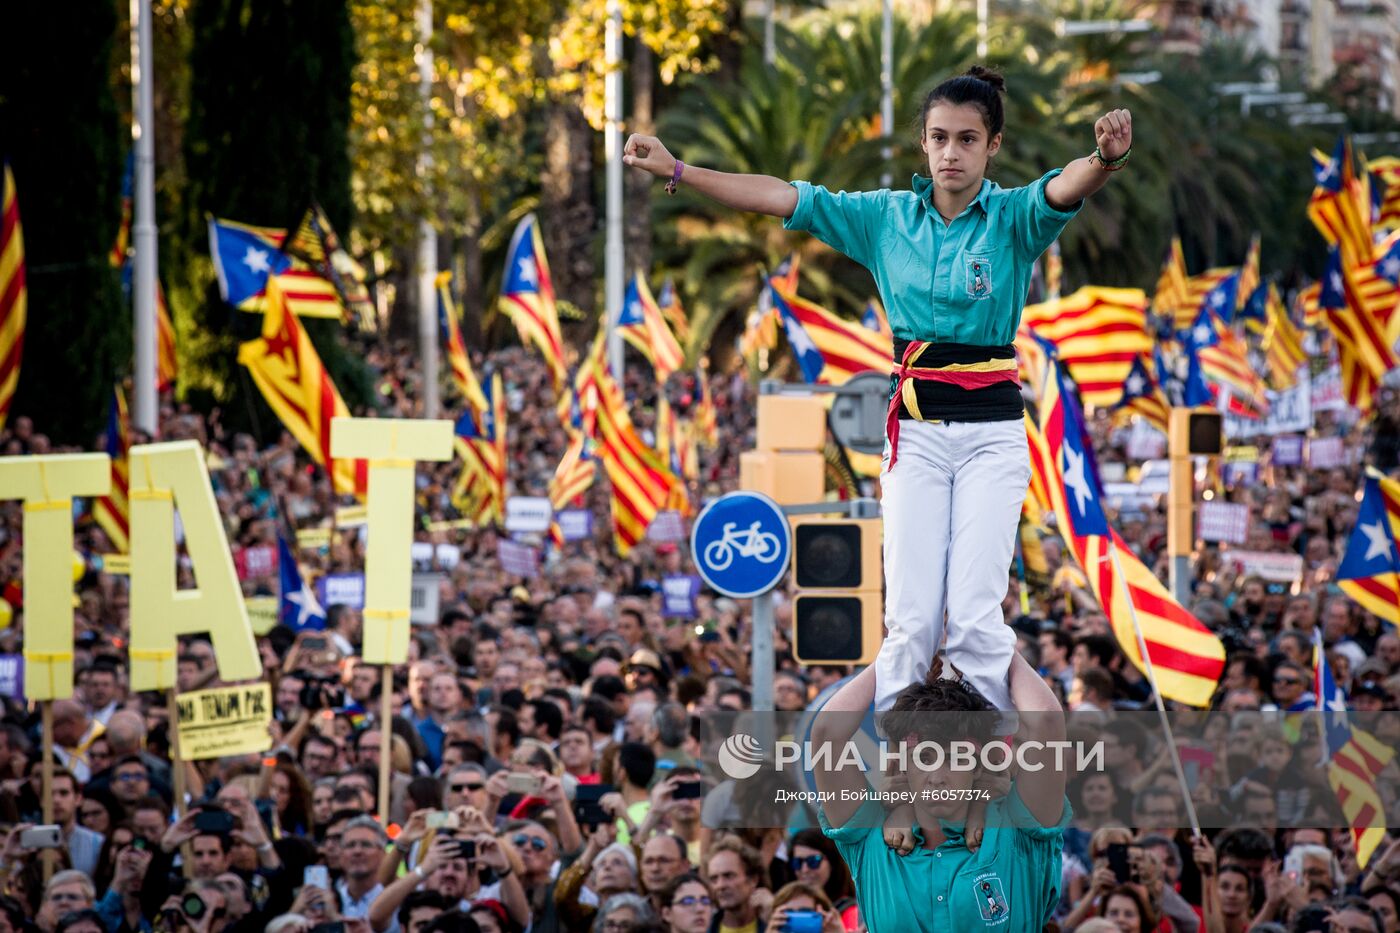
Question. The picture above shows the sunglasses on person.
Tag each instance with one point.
(466, 788)
(1288, 681)
(809, 862)
(692, 900)
(535, 842)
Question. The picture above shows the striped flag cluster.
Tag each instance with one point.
(1198, 289)
(1354, 759)
(1187, 658)
(1142, 395)
(14, 294)
(315, 243)
(1370, 571)
(1339, 205)
(289, 373)
(457, 359)
(246, 258)
(1283, 343)
(670, 302)
(112, 511)
(527, 297)
(705, 417)
(1097, 333)
(1357, 306)
(480, 491)
(1171, 293)
(641, 324)
(829, 349)
(641, 481)
(761, 329)
(1223, 356)
(1385, 187)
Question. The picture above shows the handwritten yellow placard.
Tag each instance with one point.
(224, 721)
(262, 613)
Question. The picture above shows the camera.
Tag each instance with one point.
(213, 821)
(802, 921)
(467, 847)
(321, 693)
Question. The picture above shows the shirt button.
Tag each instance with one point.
(940, 897)
(938, 855)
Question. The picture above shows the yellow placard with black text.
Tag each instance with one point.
(224, 721)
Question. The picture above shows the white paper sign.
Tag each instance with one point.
(1276, 568)
(528, 514)
(1289, 411)
(1324, 453)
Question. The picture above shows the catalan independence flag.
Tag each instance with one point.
(1248, 281)
(167, 360)
(705, 417)
(1338, 206)
(1170, 296)
(641, 323)
(1283, 343)
(575, 473)
(641, 482)
(1097, 333)
(1142, 395)
(480, 491)
(314, 242)
(1187, 657)
(843, 347)
(1198, 289)
(457, 359)
(1385, 181)
(292, 379)
(14, 294)
(669, 300)
(873, 317)
(1364, 349)
(1370, 571)
(527, 297)
(246, 257)
(112, 511)
(1354, 760)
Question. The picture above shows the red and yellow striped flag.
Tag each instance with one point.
(112, 511)
(1249, 274)
(1097, 333)
(1385, 175)
(641, 483)
(1283, 344)
(1197, 288)
(527, 297)
(14, 295)
(847, 347)
(1170, 296)
(1358, 317)
(575, 473)
(705, 418)
(292, 379)
(1338, 206)
(480, 491)
(1187, 658)
(642, 325)
(669, 301)
(457, 359)
(167, 361)
(1370, 569)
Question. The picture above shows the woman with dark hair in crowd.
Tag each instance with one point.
(120, 836)
(687, 906)
(291, 795)
(815, 861)
(1126, 906)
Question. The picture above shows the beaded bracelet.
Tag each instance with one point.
(675, 177)
(1113, 166)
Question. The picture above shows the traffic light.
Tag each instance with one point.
(837, 612)
(1195, 431)
(787, 464)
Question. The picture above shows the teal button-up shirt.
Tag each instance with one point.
(1011, 884)
(960, 281)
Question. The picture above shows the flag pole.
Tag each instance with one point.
(612, 144)
(427, 233)
(143, 230)
(1156, 693)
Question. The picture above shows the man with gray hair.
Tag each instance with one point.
(66, 892)
(362, 845)
(670, 727)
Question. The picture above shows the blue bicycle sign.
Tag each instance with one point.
(741, 544)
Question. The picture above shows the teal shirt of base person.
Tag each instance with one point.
(1011, 884)
(963, 280)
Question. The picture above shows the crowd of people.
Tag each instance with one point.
(547, 768)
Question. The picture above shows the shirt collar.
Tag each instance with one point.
(923, 187)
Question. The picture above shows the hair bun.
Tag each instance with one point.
(994, 78)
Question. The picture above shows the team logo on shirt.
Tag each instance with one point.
(979, 277)
(991, 899)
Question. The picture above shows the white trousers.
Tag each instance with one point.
(950, 506)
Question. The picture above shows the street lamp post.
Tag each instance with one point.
(612, 146)
(887, 89)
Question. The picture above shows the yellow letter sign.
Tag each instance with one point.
(47, 484)
(391, 446)
(162, 476)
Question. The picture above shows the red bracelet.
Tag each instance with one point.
(675, 177)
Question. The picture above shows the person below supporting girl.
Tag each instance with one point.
(952, 259)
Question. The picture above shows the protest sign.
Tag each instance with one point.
(1223, 521)
(678, 592)
(346, 589)
(224, 721)
(1289, 410)
(666, 526)
(575, 524)
(12, 676)
(1276, 568)
(1325, 453)
(528, 514)
(519, 560)
(262, 613)
(1287, 450)
(1241, 467)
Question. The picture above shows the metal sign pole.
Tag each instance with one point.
(762, 665)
